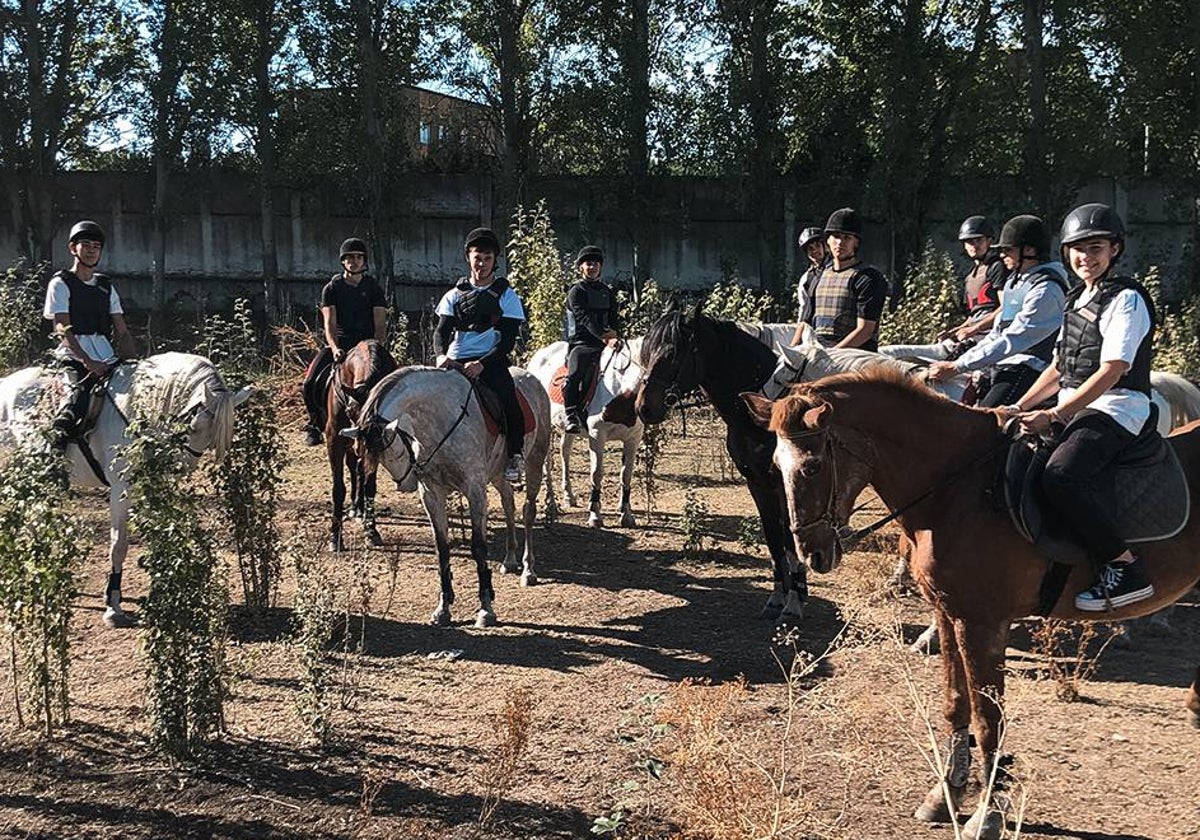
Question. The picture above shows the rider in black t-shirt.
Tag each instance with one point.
(353, 309)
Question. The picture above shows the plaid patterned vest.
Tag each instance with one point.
(835, 306)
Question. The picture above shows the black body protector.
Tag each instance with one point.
(478, 310)
(89, 304)
(598, 307)
(1079, 349)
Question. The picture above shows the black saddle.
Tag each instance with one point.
(1151, 492)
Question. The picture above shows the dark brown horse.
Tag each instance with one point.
(351, 380)
(838, 434)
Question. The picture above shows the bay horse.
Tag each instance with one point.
(610, 416)
(427, 428)
(932, 462)
(165, 387)
(350, 381)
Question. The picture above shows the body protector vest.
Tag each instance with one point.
(1079, 349)
(478, 310)
(981, 296)
(598, 303)
(835, 303)
(89, 304)
(1015, 291)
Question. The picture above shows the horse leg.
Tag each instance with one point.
(118, 518)
(335, 447)
(510, 565)
(366, 500)
(564, 450)
(981, 645)
(1193, 701)
(785, 602)
(477, 503)
(534, 473)
(628, 458)
(435, 508)
(596, 452)
(942, 802)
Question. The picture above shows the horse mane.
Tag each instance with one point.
(385, 385)
(155, 393)
(788, 413)
(663, 334)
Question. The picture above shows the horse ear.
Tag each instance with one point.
(672, 305)
(816, 418)
(404, 424)
(350, 433)
(242, 395)
(759, 406)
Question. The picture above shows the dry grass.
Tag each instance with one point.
(1070, 653)
(504, 766)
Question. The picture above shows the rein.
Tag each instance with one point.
(408, 440)
(847, 536)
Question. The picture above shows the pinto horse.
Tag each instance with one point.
(932, 462)
(169, 387)
(610, 416)
(349, 384)
(427, 428)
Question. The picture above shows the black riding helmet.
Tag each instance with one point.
(589, 252)
(975, 226)
(482, 238)
(1026, 231)
(86, 230)
(1089, 221)
(844, 221)
(353, 246)
(809, 234)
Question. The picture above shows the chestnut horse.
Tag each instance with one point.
(349, 383)
(932, 461)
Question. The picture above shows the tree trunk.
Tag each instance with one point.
(1035, 137)
(514, 107)
(375, 176)
(265, 101)
(636, 54)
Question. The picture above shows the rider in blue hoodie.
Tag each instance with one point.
(1021, 342)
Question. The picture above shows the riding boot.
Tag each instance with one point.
(65, 424)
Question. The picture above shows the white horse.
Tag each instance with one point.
(170, 385)
(427, 428)
(610, 416)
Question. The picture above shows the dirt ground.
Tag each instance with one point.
(600, 648)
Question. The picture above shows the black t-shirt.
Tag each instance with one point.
(354, 307)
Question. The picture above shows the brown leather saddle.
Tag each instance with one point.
(1151, 492)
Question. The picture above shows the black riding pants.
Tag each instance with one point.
(583, 361)
(1009, 384)
(314, 390)
(496, 375)
(78, 397)
(1078, 481)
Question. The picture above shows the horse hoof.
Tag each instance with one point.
(985, 824)
(507, 568)
(373, 537)
(596, 520)
(440, 618)
(529, 579)
(627, 520)
(935, 809)
(118, 619)
(335, 544)
(485, 618)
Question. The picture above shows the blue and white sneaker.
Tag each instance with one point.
(514, 470)
(1119, 585)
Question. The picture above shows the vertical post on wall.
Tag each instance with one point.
(789, 236)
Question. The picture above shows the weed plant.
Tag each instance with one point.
(1070, 653)
(313, 616)
(537, 271)
(694, 523)
(932, 301)
(23, 333)
(506, 758)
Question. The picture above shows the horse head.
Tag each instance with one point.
(820, 482)
(673, 358)
(211, 424)
(392, 444)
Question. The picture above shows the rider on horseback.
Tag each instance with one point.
(981, 297)
(591, 323)
(812, 243)
(353, 309)
(1101, 373)
(478, 322)
(85, 309)
(1021, 341)
(848, 297)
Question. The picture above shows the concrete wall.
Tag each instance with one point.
(702, 230)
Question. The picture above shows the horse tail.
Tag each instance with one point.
(222, 422)
(1180, 394)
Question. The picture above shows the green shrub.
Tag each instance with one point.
(932, 302)
(1177, 338)
(23, 331)
(39, 555)
(537, 271)
(732, 301)
(185, 610)
(640, 308)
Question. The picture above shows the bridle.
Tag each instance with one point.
(407, 440)
(826, 517)
(669, 383)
